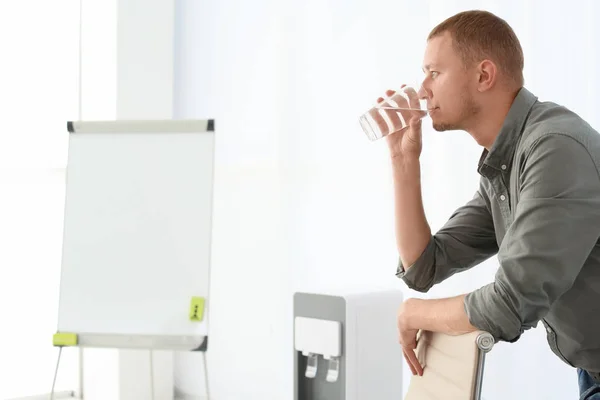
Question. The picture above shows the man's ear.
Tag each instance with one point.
(487, 75)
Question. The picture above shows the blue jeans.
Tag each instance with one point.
(588, 388)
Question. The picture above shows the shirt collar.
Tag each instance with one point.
(501, 153)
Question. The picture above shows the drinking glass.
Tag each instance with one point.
(394, 113)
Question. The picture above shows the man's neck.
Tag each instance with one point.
(489, 122)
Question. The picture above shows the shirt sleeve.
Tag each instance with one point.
(555, 227)
(467, 239)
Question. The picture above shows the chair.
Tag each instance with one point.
(452, 366)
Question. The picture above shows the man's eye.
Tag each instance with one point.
(434, 74)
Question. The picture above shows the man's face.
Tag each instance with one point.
(448, 86)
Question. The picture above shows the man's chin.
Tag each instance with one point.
(440, 127)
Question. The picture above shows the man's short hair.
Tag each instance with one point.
(478, 35)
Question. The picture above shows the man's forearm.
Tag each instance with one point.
(412, 230)
(439, 315)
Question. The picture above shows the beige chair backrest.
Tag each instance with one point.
(453, 366)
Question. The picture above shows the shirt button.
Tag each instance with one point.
(503, 167)
(502, 197)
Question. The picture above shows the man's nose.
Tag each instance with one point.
(423, 93)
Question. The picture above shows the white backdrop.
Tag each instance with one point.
(303, 200)
(38, 94)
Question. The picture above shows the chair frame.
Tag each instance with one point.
(485, 342)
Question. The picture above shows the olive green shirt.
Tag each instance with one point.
(538, 208)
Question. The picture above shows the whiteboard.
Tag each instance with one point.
(137, 233)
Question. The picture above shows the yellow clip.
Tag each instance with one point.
(64, 339)
(197, 309)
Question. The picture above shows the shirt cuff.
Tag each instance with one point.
(419, 276)
(488, 309)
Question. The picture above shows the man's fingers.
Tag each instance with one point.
(388, 93)
(398, 116)
(394, 118)
(402, 102)
(412, 357)
(413, 97)
(378, 118)
(388, 121)
(409, 343)
(413, 101)
(414, 372)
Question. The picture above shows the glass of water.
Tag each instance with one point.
(394, 113)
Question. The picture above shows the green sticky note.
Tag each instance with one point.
(64, 339)
(197, 309)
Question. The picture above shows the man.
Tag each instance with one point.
(537, 206)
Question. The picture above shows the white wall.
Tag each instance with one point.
(127, 73)
(249, 342)
(303, 199)
(38, 93)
